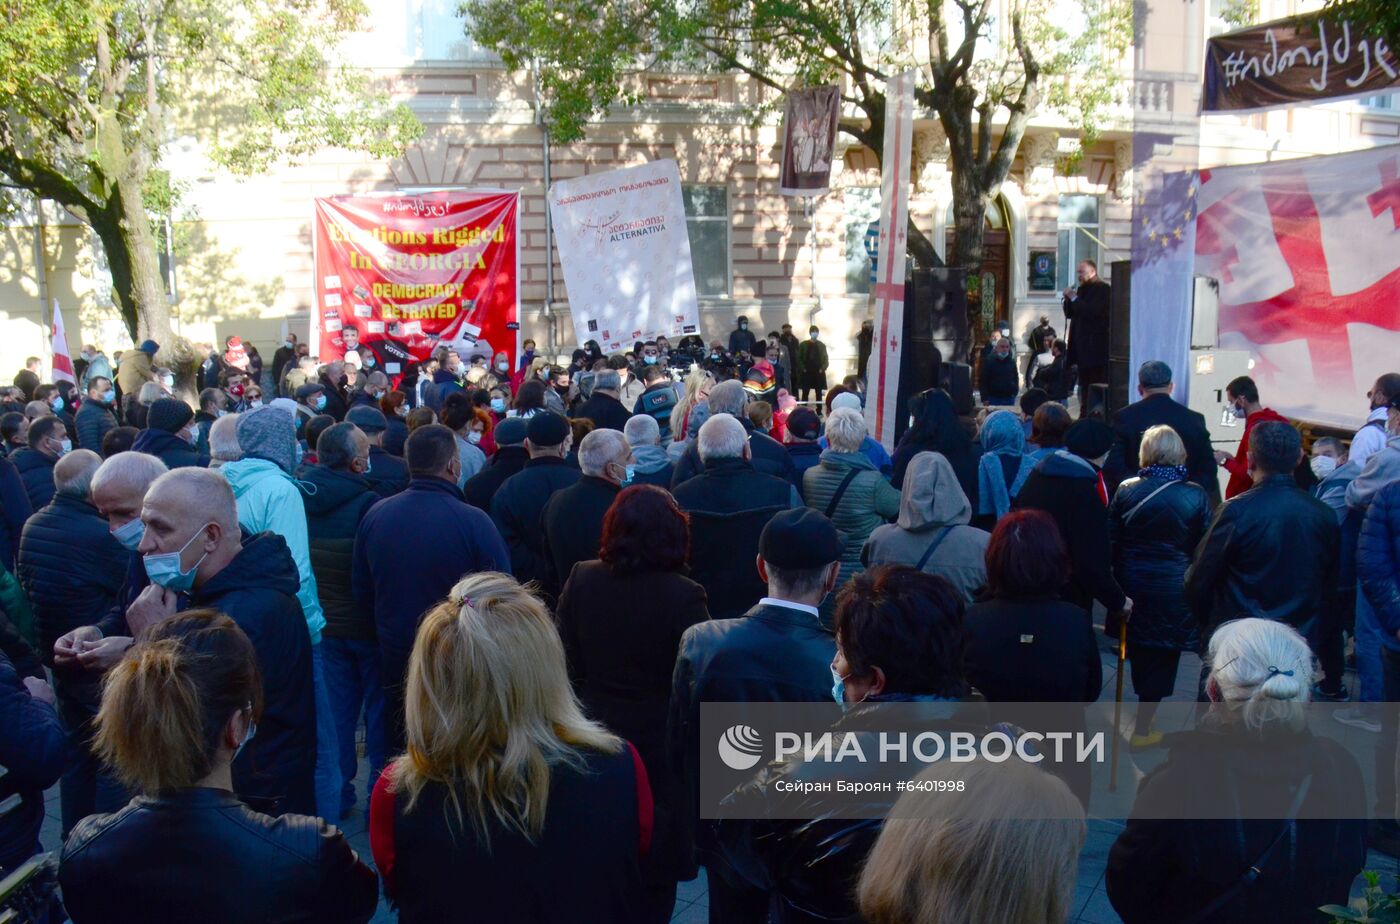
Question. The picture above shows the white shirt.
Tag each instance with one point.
(774, 601)
(1369, 440)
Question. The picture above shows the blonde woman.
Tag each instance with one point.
(1004, 849)
(509, 802)
(697, 391)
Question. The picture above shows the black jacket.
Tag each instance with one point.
(15, 509)
(174, 451)
(395, 435)
(34, 751)
(1151, 554)
(36, 471)
(201, 855)
(1131, 422)
(1088, 332)
(1271, 552)
(621, 659)
(388, 474)
(572, 523)
(70, 567)
(605, 411)
(517, 508)
(1378, 560)
(335, 503)
(769, 457)
(93, 421)
(1068, 490)
(1000, 378)
(203, 420)
(741, 341)
(1162, 870)
(811, 359)
(258, 591)
(482, 487)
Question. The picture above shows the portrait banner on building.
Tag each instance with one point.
(400, 274)
(1307, 255)
(625, 253)
(809, 140)
(1305, 59)
(882, 375)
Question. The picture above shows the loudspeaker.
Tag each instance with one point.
(935, 329)
(1120, 341)
(956, 380)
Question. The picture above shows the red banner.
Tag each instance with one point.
(400, 274)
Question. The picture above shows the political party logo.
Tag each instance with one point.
(740, 747)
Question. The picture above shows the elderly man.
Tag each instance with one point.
(72, 570)
(387, 474)
(605, 407)
(767, 454)
(223, 442)
(652, 465)
(731, 482)
(572, 521)
(170, 435)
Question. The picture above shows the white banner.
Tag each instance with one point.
(626, 255)
(882, 375)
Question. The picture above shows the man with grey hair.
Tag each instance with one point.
(223, 442)
(767, 454)
(72, 571)
(652, 464)
(572, 521)
(604, 407)
(1156, 406)
(730, 482)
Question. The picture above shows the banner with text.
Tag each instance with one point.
(1305, 59)
(397, 275)
(626, 255)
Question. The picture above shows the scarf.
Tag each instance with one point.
(1166, 472)
(1002, 435)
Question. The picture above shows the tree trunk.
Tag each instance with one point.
(147, 292)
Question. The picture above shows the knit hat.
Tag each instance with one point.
(547, 429)
(1089, 439)
(803, 424)
(848, 399)
(268, 433)
(169, 414)
(149, 347)
(369, 419)
(510, 432)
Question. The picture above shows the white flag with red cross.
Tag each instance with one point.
(62, 362)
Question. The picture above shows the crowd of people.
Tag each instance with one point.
(517, 587)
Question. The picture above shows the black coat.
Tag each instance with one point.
(811, 359)
(335, 503)
(1162, 870)
(36, 471)
(70, 567)
(769, 457)
(1068, 490)
(605, 411)
(15, 508)
(201, 855)
(1131, 422)
(1378, 559)
(621, 634)
(517, 508)
(93, 421)
(1000, 378)
(1151, 554)
(174, 451)
(572, 522)
(1271, 552)
(258, 591)
(34, 751)
(741, 341)
(1088, 334)
(482, 487)
(388, 474)
(395, 435)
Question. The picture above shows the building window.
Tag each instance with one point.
(862, 208)
(1389, 102)
(1079, 233)
(707, 224)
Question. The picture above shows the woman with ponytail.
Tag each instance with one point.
(175, 712)
(1251, 817)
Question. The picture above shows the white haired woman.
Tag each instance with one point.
(1274, 824)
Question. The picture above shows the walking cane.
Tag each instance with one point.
(1118, 703)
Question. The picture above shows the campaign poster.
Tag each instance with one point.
(398, 274)
(625, 254)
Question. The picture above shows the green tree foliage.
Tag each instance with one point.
(1378, 17)
(91, 92)
(984, 77)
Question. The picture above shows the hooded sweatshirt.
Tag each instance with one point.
(933, 509)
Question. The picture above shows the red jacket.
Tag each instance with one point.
(1240, 480)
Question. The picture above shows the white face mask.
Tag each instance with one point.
(474, 437)
(1322, 466)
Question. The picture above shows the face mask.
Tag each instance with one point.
(189, 436)
(503, 366)
(838, 687)
(649, 360)
(130, 534)
(369, 362)
(252, 730)
(1322, 466)
(631, 474)
(813, 335)
(562, 389)
(714, 356)
(169, 381)
(369, 463)
(498, 405)
(288, 344)
(320, 402)
(461, 368)
(236, 391)
(474, 437)
(56, 404)
(401, 410)
(256, 402)
(163, 568)
(65, 447)
(109, 396)
(1238, 412)
(377, 395)
(301, 454)
(743, 327)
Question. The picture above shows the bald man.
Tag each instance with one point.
(196, 557)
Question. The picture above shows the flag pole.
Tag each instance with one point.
(1118, 704)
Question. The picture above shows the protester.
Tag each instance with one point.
(621, 657)
(741, 339)
(650, 462)
(283, 355)
(1243, 397)
(572, 519)
(169, 435)
(1049, 425)
(812, 363)
(1334, 469)
(337, 495)
(1279, 830)
(658, 398)
(1372, 436)
(119, 439)
(176, 715)
(1382, 468)
(412, 547)
(395, 407)
(932, 532)
(213, 404)
(500, 751)
(1003, 467)
(136, 367)
(844, 398)
(935, 428)
(510, 458)
(605, 407)
(802, 432)
(761, 416)
(998, 381)
(698, 385)
(1157, 407)
(95, 418)
(14, 431)
(778, 652)
(386, 473)
(223, 442)
(768, 455)
(33, 751)
(15, 509)
(517, 506)
(1155, 523)
(458, 415)
(47, 444)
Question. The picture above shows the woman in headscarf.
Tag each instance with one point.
(1003, 468)
(936, 428)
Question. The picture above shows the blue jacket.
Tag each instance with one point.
(169, 448)
(517, 508)
(1378, 561)
(14, 510)
(388, 474)
(34, 751)
(336, 502)
(93, 421)
(444, 383)
(36, 471)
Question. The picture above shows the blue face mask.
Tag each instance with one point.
(130, 534)
(163, 568)
(631, 474)
(57, 405)
(838, 687)
(368, 463)
(649, 359)
(498, 405)
(320, 402)
(252, 730)
(109, 396)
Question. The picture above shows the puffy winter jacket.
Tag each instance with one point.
(769, 457)
(268, 500)
(517, 507)
(388, 474)
(1151, 553)
(174, 451)
(93, 421)
(1378, 560)
(868, 502)
(14, 510)
(34, 749)
(36, 471)
(335, 502)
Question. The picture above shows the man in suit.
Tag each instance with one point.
(1087, 305)
(1157, 406)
